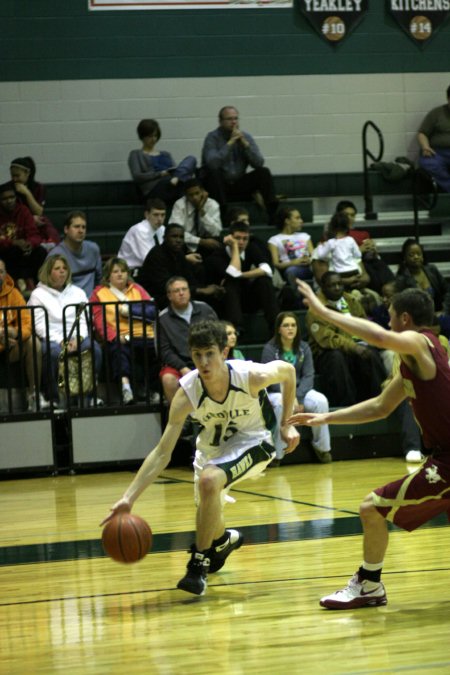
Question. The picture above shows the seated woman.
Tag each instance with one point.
(54, 292)
(124, 326)
(287, 345)
(32, 194)
(233, 351)
(291, 249)
(424, 275)
(154, 171)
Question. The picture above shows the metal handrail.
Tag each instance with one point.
(368, 201)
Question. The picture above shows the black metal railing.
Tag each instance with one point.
(369, 155)
(31, 371)
(141, 346)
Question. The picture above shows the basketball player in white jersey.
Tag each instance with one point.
(229, 402)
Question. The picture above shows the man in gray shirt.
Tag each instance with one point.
(226, 155)
(173, 330)
(83, 256)
(434, 141)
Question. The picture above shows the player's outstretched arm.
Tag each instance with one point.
(158, 458)
(279, 372)
(368, 411)
(407, 342)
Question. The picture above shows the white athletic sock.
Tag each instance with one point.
(372, 567)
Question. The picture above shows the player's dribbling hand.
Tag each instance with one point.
(290, 436)
(122, 506)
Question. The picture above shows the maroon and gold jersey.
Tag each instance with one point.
(430, 399)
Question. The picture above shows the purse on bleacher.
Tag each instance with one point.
(72, 365)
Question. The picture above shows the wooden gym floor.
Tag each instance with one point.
(65, 608)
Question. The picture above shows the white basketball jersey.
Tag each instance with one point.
(239, 422)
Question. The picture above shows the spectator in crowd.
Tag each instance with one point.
(32, 194)
(340, 250)
(20, 240)
(171, 259)
(174, 322)
(55, 292)
(126, 328)
(340, 253)
(352, 370)
(291, 249)
(241, 270)
(83, 256)
(232, 336)
(424, 275)
(349, 209)
(200, 217)
(287, 345)
(378, 271)
(154, 171)
(237, 214)
(143, 236)
(227, 153)
(434, 142)
(16, 340)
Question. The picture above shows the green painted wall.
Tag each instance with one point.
(61, 39)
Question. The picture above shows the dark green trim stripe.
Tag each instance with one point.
(270, 533)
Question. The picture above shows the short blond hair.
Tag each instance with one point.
(108, 268)
(47, 268)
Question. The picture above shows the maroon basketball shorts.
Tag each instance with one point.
(414, 499)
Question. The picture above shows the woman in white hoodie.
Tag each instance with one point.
(54, 292)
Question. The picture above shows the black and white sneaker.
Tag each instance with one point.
(194, 581)
(218, 554)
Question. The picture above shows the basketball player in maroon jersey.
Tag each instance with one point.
(424, 379)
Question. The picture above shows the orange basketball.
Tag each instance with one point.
(127, 538)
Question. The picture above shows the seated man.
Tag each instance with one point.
(226, 155)
(352, 370)
(143, 236)
(15, 338)
(200, 217)
(239, 214)
(434, 141)
(19, 239)
(174, 323)
(83, 256)
(240, 268)
(170, 259)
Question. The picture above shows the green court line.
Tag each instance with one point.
(270, 533)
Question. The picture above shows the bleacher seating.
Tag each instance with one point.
(113, 207)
